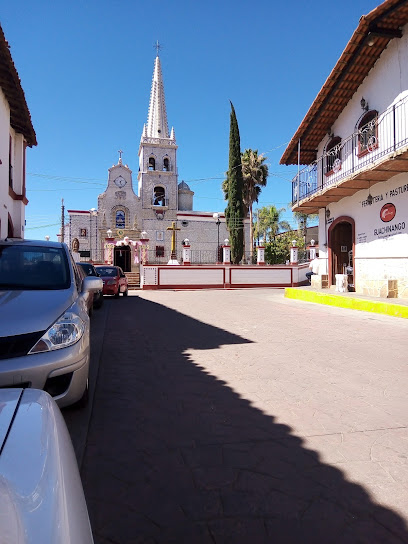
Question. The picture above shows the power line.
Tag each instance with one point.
(42, 226)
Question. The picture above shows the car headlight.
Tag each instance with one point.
(111, 282)
(66, 331)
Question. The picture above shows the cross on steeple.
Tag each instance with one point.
(120, 156)
(158, 47)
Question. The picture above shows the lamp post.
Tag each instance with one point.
(216, 216)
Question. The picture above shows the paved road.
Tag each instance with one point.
(240, 416)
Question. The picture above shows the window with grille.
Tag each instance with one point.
(367, 133)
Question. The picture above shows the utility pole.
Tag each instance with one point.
(62, 221)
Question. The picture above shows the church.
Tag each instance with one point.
(144, 207)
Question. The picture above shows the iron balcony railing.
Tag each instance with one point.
(209, 257)
(385, 133)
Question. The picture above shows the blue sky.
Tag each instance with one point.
(86, 69)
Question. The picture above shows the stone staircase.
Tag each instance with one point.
(133, 280)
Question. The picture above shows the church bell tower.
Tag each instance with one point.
(157, 178)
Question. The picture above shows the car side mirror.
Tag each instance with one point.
(91, 283)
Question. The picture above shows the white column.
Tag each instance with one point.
(144, 255)
(294, 253)
(226, 252)
(260, 255)
(186, 253)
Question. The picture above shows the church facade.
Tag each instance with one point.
(144, 207)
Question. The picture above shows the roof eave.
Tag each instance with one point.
(368, 27)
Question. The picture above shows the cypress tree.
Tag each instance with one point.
(234, 212)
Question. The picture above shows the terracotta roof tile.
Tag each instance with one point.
(350, 71)
(20, 118)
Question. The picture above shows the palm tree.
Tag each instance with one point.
(269, 222)
(255, 173)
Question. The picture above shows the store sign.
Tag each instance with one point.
(387, 212)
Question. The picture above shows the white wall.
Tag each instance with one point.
(16, 208)
(381, 248)
(4, 173)
(385, 85)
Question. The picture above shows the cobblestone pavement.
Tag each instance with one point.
(243, 417)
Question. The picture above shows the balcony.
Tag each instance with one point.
(375, 153)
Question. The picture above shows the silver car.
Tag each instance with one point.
(41, 495)
(44, 323)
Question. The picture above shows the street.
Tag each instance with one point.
(241, 416)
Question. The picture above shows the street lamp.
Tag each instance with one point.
(216, 216)
(109, 233)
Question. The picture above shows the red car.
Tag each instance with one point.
(114, 280)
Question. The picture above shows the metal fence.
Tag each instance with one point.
(206, 257)
(387, 132)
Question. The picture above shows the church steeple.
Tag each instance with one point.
(157, 126)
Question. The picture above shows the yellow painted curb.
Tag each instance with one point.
(377, 307)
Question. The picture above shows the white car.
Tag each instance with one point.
(44, 320)
(41, 494)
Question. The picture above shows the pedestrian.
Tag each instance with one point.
(314, 268)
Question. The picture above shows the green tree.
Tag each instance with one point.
(255, 174)
(278, 250)
(234, 212)
(269, 223)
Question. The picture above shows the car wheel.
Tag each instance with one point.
(117, 293)
(125, 293)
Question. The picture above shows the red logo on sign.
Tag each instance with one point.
(388, 212)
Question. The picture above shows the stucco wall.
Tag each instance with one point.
(16, 208)
(381, 248)
(385, 85)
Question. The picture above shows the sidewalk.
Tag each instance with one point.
(395, 307)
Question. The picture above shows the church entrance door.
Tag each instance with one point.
(122, 258)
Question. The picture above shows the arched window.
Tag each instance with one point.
(152, 163)
(120, 219)
(159, 196)
(367, 133)
(166, 164)
(333, 156)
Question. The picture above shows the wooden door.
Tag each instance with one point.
(341, 244)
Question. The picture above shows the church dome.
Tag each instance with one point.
(183, 186)
(185, 197)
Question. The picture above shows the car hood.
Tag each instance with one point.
(22, 312)
(41, 495)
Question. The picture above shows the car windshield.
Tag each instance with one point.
(30, 267)
(107, 271)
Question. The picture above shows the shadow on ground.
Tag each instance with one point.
(175, 455)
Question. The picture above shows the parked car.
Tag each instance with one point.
(44, 323)
(41, 494)
(90, 270)
(90, 295)
(114, 280)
